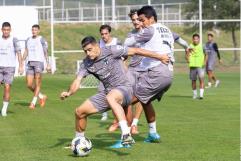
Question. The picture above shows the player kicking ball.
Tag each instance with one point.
(105, 64)
(36, 52)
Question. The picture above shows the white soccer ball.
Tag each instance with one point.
(81, 146)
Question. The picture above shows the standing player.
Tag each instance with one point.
(9, 48)
(154, 78)
(196, 60)
(104, 64)
(211, 49)
(106, 40)
(36, 52)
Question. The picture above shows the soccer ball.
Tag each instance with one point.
(81, 146)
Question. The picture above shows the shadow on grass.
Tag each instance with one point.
(23, 104)
(179, 96)
(62, 142)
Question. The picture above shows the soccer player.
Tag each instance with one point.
(154, 78)
(211, 49)
(196, 60)
(36, 52)
(9, 48)
(106, 40)
(105, 65)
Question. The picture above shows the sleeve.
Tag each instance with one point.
(119, 52)
(83, 72)
(175, 36)
(16, 44)
(142, 37)
(118, 42)
(215, 46)
(182, 42)
(44, 44)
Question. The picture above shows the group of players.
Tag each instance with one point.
(147, 77)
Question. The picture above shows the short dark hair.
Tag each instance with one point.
(195, 35)
(148, 11)
(6, 24)
(102, 27)
(36, 26)
(210, 34)
(88, 40)
(132, 12)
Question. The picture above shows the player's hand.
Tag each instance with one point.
(48, 68)
(165, 59)
(220, 61)
(20, 69)
(189, 50)
(64, 95)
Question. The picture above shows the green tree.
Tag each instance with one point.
(218, 9)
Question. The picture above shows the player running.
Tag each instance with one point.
(9, 48)
(36, 52)
(105, 65)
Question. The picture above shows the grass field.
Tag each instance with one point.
(191, 130)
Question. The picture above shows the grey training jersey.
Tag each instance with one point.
(211, 51)
(8, 49)
(107, 67)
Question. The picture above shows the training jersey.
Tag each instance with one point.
(8, 49)
(107, 67)
(114, 41)
(157, 38)
(211, 49)
(36, 48)
(196, 58)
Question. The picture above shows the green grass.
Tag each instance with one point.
(191, 130)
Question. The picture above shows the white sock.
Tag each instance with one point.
(34, 100)
(104, 114)
(4, 109)
(40, 95)
(152, 127)
(201, 92)
(195, 92)
(209, 84)
(124, 127)
(79, 134)
(134, 122)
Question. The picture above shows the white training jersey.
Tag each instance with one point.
(114, 41)
(8, 49)
(162, 42)
(36, 48)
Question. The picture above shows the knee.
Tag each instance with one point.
(79, 113)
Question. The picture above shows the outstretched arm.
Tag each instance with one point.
(138, 51)
(72, 89)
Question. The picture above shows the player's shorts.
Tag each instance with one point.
(196, 72)
(152, 84)
(7, 75)
(100, 102)
(132, 76)
(101, 87)
(210, 65)
(34, 67)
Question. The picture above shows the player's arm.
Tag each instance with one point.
(72, 89)
(142, 37)
(181, 42)
(17, 49)
(45, 50)
(215, 46)
(146, 53)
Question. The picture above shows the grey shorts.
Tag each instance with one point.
(210, 65)
(132, 76)
(152, 84)
(196, 72)
(34, 67)
(100, 102)
(7, 75)
(101, 87)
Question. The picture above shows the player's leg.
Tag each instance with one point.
(81, 114)
(115, 98)
(6, 76)
(136, 117)
(153, 136)
(193, 77)
(201, 80)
